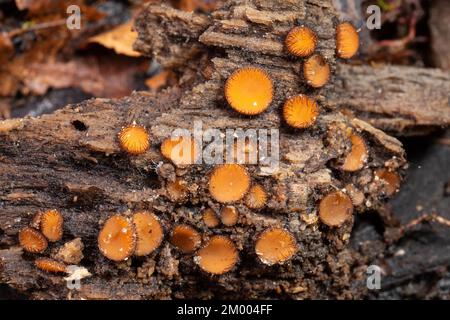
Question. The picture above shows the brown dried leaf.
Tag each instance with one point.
(6, 47)
(120, 39)
(160, 80)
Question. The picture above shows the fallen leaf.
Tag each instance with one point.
(160, 80)
(109, 77)
(6, 47)
(120, 39)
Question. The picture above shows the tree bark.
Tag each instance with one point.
(71, 161)
(395, 99)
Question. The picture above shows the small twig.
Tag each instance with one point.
(40, 26)
(425, 218)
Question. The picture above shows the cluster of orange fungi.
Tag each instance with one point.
(122, 236)
(45, 227)
(249, 90)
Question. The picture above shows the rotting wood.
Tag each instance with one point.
(85, 175)
(399, 100)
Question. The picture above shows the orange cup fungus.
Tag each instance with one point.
(358, 155)
(52, 225)
(185, 238)
(391, 179)
(134, 139)
(275, 246)
(32, 240)
(249, 91)
(177, 191)
(301, 41)
(335, 208)
(149, 232)
(347, 40)
(182, 151)
(218, 256)
(316, 71)
(256, 198)
(229, 183)
(300, 111)
(229, 216)
(210, 218)
(50, 265)
(116, 240)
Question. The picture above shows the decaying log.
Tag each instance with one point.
(399, 100)
(71, 160)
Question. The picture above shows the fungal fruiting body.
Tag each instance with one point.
(229, 216)
(149, 232)
(229, 183)
(316, 71)
(256, 198)
(50, 265)
(249, 91)
(32, 240)
(391, 180)
(177, 191)
(347, 40)
(335, 208)
(218, 256)
(116, 240)
(210, 218)
(181, 151)
(358, 155)
(300, 111)
(52, 225)
(275, 245)
(301, 41)
(134, 139)
(185, 238)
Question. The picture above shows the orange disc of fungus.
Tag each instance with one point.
(116, 240)
(218, 256)
(301, 41)
(316, 71)
(275, 245)
(358, 155)
(149, 232)
(50, 265)
(335, 208)
(181, 151)
(256, 197)
(347, 40)
(229, 183)
(210, 218)
(229, 216)
(249, 91)
(134, 139)
(176, 190)
(391, 179)
(185, 238)
(52, 225)
(32, 240)
(300, 111)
